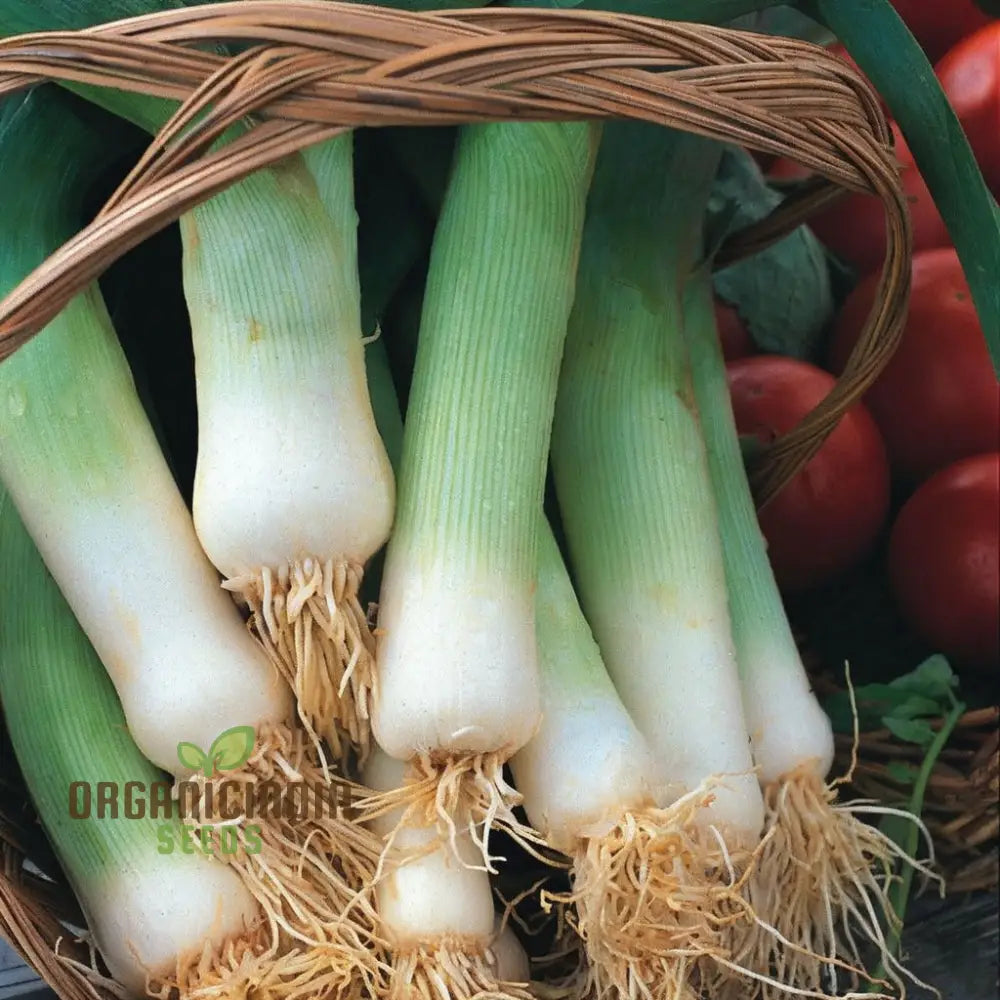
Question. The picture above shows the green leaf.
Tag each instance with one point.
(873, 703)
(905, 774)
(915, 706)
(878, 694)
(924, 692)
(933, 679)
(191, 757)
(910, 730)
(838, 708)
(783, 293)
(232, 748)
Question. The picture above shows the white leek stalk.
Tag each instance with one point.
(590, 783)
(632, 476)
(510, 960)
(435, 904)
(457, 661)
(823, 877)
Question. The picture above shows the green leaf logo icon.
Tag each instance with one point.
(192, 757)
(232, 748)
(229, 751)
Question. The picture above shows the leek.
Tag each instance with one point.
(434, 903)
(632, 478)
(457, 661)
(632, 473)
(590, 783)
(167, 919)
(82, 465)
(823, 878)
(293, 489)
(81, 462)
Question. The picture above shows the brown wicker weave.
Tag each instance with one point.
(962, 802)
(313, 68)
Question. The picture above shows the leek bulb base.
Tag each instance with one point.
(434, 900)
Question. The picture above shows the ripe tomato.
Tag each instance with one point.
(943, 557)
(854, 227)
(938, 399)
(736, 342)
(826, 518)
(939, 24)
(970, 78)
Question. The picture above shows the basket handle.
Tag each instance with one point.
(315, 68)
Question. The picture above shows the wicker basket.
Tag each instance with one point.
(309, 69)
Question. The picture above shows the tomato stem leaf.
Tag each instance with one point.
(899, 894)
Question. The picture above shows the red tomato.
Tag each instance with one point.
(939, 24)
(783, 169)
(970, 78)
(826, 518)
(938, 399)
(854, 228)
(944, 555)
(736, 342)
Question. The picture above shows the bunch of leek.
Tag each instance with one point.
(641, 755)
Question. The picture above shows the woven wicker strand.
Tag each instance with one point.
(962, 805)
(310, 69)
(314, 68)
